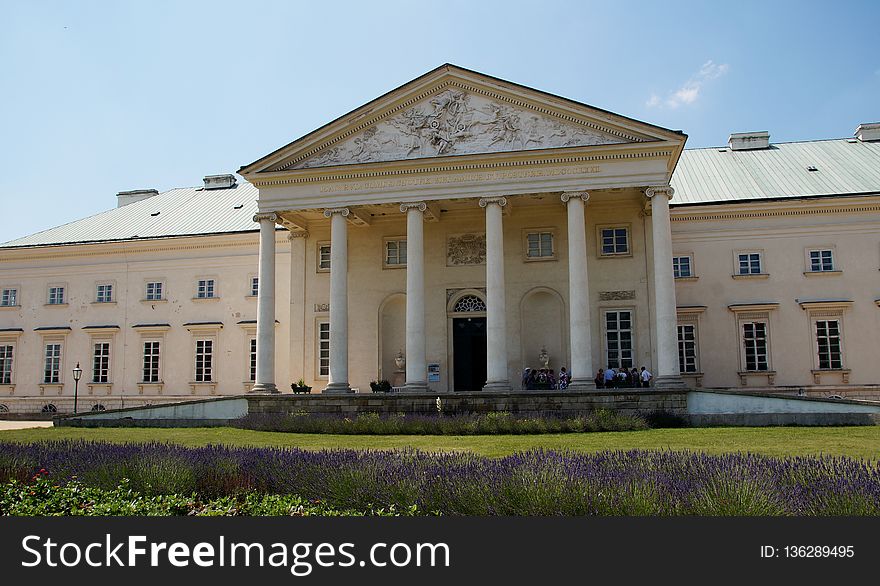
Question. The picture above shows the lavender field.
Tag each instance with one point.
(528, 483)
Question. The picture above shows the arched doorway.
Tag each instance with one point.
(466, 313)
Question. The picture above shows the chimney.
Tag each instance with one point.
(747, 141)
(123, 198)
(868, 132)
(219, 181)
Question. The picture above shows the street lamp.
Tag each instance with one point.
(77, 374)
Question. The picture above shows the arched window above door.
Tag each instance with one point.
(468, 304)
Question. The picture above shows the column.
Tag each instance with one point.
(580, 334)
(666, 374)
(265, 382)
(298, 264)
(496, 315)
(416, 367)
(338, 382)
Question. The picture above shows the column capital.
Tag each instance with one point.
(344, 212)
(415, 205)
(262, 216)
(297, 234)
(500, 200)
(567, 195)
(660, 190)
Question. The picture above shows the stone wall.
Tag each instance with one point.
(521, 402)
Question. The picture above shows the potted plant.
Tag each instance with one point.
(300, 386)
(380, 386)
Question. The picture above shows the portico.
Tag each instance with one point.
(471, 186)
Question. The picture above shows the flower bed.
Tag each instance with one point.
(528, 483)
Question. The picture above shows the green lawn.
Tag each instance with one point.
(860, 442)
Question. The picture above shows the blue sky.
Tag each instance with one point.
(100, 97)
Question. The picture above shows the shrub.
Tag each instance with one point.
(495, 422)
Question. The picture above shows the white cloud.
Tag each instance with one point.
(689, 92)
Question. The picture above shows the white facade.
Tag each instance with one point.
(468, 226)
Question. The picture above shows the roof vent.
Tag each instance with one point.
(123, 198)
(746, 141)
(868, 132)
(219, 181)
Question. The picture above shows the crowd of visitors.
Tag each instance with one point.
(623, 378)
(607, 378)
(545, 379)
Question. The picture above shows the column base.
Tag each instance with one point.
(583, 384)
(337, 389)
(499, 386)
(669, 382)
(264, 389)
(416, 387)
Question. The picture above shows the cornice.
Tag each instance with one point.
(465, 163)
(772, 210)
(248, 239)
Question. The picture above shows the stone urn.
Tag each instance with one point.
(399, 376)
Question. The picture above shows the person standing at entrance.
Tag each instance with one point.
(645, 377)
(609, 378)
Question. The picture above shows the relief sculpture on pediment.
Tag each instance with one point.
(456, 122)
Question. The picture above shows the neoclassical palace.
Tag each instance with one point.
(445, 237)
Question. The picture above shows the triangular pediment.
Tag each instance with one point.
(452, 111)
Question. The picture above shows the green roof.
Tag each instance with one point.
(719, 175)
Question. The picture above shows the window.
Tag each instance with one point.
(255, 286)
(687, 348)
(749, 263)
(6, 364)
(52, 364)
(395, 253)
(9, 298)
(151, 362)
(618, 338)
(205, 289)
(101, 362)
(104, 293)
(828, 344)
(469, 303)
(154, 291)
(56, 295)
(539, 245)
(323, 257)
(615, 241)
(821, 261)
(204, 360)
(324, 349)
(755, 346)
(681, 267)
(252, 363)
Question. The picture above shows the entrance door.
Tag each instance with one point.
(469, 353)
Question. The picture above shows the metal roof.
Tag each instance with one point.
(715, 175)
(185, 211)
(703, 176)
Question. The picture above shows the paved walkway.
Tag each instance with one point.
(6, 425)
